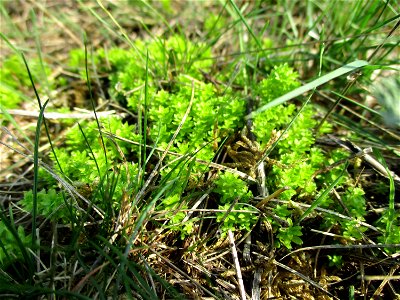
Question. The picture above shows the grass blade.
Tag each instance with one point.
(89, 85)
(4, 38)
(242, 18)
(323, 195)
(391, 210)
(351, 67)
(9, 225)
(36, 153)
(36, 171)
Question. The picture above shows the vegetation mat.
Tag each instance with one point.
(200, 149)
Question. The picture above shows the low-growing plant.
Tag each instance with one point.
(10, 248)
(51, 204)
(212, 117)
(99, 172)
(289, 234)
(233, 190)
(335, 260)
(111, 203)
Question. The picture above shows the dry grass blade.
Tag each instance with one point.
(307, 279)
(237, 265)
(57, 115)
(169, 263)
(327, 247)
(385, 280)
(59, 23)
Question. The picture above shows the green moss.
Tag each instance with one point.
(10, 97)
(231, 188)
(49, 203)
(173, 65)
(215, 23)
(9, 249)
(83, 163)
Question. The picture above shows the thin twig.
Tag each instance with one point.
(237, 265)
(57, 115)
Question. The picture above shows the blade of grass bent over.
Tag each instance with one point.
(311, 85)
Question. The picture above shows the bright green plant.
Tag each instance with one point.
(85, 161)
(288, 235)
(78, 141)
(301, 160)
(295, 146)
(10, 96)
(174, 204)
(231, 188)
(167, 58)
(50, 204)
(352, 229)
(393, 236)
(335, 260)
(287, 232)
(355, 203)
(213, 116)
(215, 23)
(99, 172)
(9, 249)
(158, 93)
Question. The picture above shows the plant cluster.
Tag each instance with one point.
(97, 162)
(213, 115)
(10, 250)
(234, 190)
(86, 161)
(112, 214)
